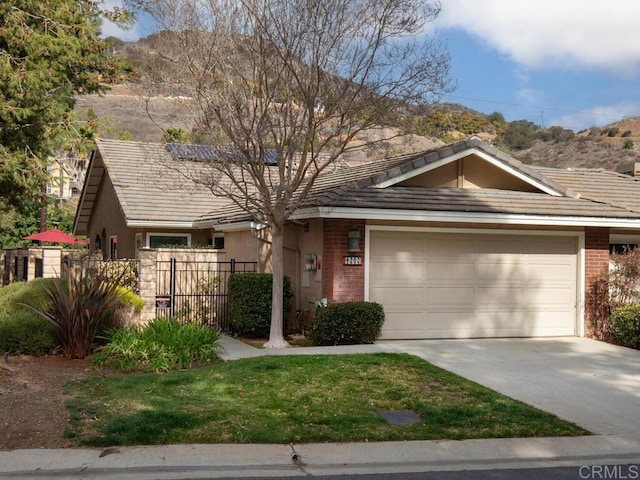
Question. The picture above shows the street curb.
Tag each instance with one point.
(217, 461)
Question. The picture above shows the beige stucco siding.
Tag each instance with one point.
(108, 220)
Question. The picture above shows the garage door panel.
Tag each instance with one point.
(501, 270)
(456, 271)
(550, 272)
(399, 298)
(550, 296)
(386, 271)
(449, 247)
(408, 247)
(439, 298)
(403, 325)
(485, 285)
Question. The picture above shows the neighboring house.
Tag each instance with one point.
(66, 176)
(459, 241)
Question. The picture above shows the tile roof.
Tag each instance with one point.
(473, 200)
(599, 185)
(151, 187)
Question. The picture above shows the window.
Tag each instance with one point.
(218, 242)
(157, 240)
(113, 248)
(620, 248)
(619, 244)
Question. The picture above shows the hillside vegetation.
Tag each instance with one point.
(142, 108)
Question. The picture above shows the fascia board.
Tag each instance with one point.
(159, 224)
(464, 217)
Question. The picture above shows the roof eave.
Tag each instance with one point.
(465, 217)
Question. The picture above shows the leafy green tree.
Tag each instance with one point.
(49, 51)
(521, 134)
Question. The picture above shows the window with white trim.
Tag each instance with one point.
(217, 242)
(158, 240)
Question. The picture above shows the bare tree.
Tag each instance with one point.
(300, 78)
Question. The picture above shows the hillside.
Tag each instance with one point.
(128, 111)
(594, 148)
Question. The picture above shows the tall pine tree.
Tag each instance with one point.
(49, 52)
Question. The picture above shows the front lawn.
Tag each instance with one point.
(299, 399)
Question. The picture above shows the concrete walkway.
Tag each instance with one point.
(218, 461)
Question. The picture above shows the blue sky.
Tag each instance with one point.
(572, 63)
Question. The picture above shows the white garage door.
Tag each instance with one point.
(437, 285)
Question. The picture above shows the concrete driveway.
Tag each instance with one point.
(590, 383)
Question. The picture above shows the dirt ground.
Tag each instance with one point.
(32, 405)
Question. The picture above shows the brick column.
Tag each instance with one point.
(596, 243)
(596, 262)
(341, 283)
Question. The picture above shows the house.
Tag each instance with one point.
(66, 175)
(458, 241)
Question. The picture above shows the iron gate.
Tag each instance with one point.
(196, 291)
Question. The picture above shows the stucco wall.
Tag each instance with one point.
(107, 220)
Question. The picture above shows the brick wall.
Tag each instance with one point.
(596, 243)
(341, 283)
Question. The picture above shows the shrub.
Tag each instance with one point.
(79, 306)
(347, 323)
(250, 302)
(625, 325)
(628, 145)
(21, 330)
(160, 346)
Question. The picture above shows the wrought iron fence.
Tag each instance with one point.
(196, 291)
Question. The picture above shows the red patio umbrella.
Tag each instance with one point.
(54, 236)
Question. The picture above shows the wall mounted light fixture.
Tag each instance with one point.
(353, 240)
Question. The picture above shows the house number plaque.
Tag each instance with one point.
(352, 260)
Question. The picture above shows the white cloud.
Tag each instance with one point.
(554, 33)
(597, 116)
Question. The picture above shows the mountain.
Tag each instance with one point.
(126, 111)
(612, 147)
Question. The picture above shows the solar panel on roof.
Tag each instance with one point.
(208, 152)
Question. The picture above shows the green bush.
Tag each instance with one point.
(21, 330)
(625, 325)
(628, 145)
(347, 323)
(250, 302)
(159, 346)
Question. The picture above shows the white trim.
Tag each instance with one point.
(579, 321)
(582, 284)
(165, 234)
(159, 224)
(465, 153)
(464, 217)
(617, 238)
(235, 227)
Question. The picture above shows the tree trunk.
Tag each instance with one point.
(276, 334)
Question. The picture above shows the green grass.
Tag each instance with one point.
(298, 399)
